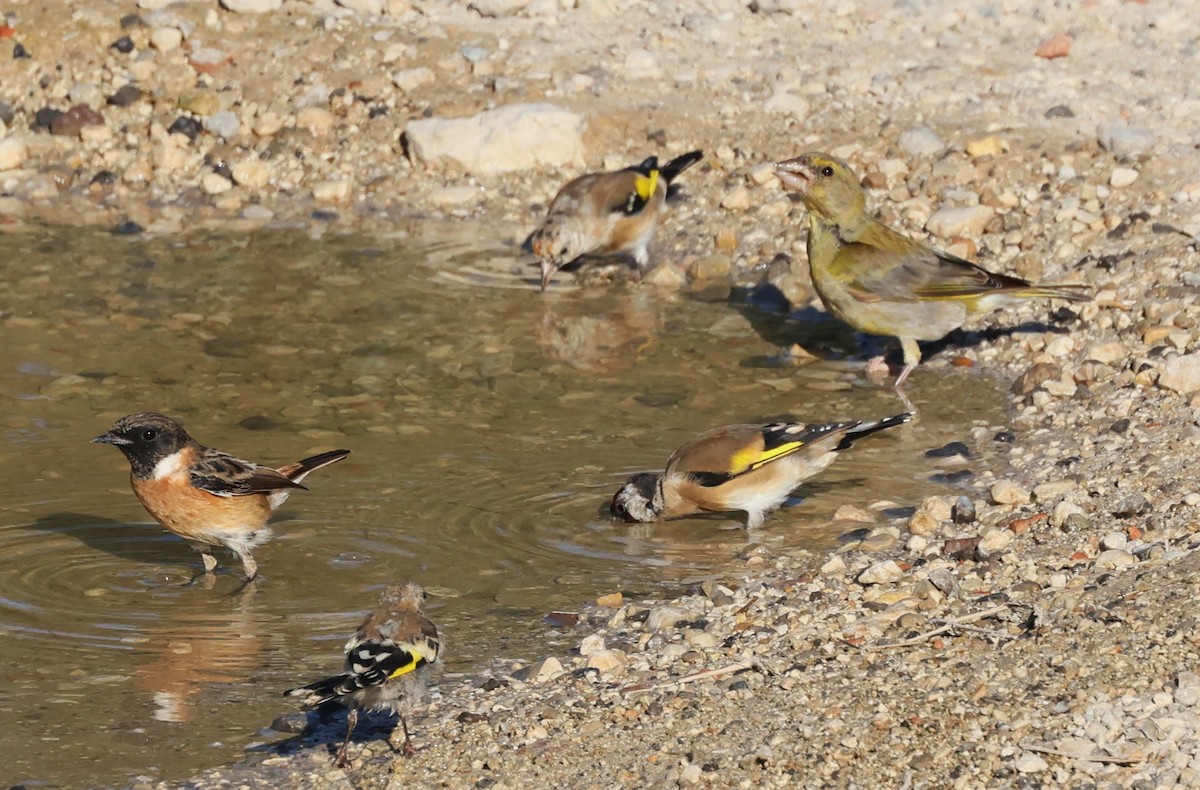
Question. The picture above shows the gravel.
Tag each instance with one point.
(1039, 629)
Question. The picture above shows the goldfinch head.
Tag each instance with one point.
(640, 499)
(556, 243)
(826, 184)
(409, 596)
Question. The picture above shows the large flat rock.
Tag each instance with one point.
(516, 137)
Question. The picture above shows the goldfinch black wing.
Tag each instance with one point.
(222, 474)
(716, 457)
(645, 181)
(375, 663)
(369, 664)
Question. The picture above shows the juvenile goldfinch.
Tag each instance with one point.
(882, 282)
(205, 496)
(740, 467)
(601, 214)
(387, 663)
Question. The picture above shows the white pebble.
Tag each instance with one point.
(1122, 177)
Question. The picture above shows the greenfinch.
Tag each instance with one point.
(883, 282)
(749, 468)
(607, 214)
(388, 661)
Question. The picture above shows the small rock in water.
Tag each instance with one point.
(127, 228)
(611, 601)
(949, 450)
(291, 723)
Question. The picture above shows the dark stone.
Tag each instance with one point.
(963, 511)
(186, 125)
(104, 178)
(20, 53)
(1120, 426)
(491, 684)
(378, 111)
(952, 478)
(1060, 111)
(6, 113)
(44, 117)
(949, 450)
(125, 96)
(1005, 437)
(127, 228)
(124, 45)
(1063, 315)
(325, 216)
(259, 422)
(130, 20)
(71, 122)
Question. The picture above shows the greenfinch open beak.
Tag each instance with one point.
(795, 174)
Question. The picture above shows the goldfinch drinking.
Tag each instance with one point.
(752, 468)
(388, 661)
(607, 214)
(880, 281)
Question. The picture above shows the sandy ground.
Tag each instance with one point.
(1046, 640)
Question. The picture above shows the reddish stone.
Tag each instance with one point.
(1057, 46)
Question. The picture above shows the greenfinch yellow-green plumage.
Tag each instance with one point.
(883, 282)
